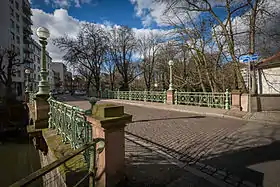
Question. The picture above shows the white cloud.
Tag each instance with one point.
(60, 23)
(67, 3)
(153, 11)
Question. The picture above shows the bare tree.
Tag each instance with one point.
(88, 50)
(122, 48)
(232, 8)
(110, 68)
(9, 63)
(148, 46)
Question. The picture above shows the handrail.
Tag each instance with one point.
(37, 174)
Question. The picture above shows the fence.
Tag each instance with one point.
(31, 98)
(70, 122)
(203, 99)
(70, 170)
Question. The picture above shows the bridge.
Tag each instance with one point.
(179, 144)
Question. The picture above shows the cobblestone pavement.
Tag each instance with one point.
(145, 168)
(250, 151)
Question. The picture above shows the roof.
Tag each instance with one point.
(272, 61)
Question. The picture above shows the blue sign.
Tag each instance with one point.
(249, 58)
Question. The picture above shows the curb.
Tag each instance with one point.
(177, 110)
(244, 118)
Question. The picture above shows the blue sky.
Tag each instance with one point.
(119, 12)
(66, 16)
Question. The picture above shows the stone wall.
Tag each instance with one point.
(265, 102)
(48, 179)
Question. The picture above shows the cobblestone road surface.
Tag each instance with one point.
(249, 150)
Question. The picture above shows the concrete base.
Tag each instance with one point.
(42, 109)
(170, 97)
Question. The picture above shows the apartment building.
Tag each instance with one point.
(61, 69)
(36, 66)
(15, 32)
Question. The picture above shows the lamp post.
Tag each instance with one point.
(27, 72)
(170, 63)
(44, 87)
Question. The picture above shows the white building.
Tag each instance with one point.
(16, 33)
(61, 69)
(36, 65)
(269, 75)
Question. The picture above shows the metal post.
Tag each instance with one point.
(92, 165)
(118, 94)
(227, 100)
(165, 96)
(249, 86)
(171, 76)
(44, 87)
(176, 98)
(129, 94)
(145, 95)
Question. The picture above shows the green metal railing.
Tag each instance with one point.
(32, 96)
(204, 99)
(70, 122)
(44, 177)
(149, 96)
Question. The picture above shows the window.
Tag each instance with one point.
(12, 11)
(17, 6)
(38, 77)
(17, 17)
(18, 40)
(12, 2)
(17, 28)
(12, 36)
(19, 73)
(12, 24)
(13, 46)
(18, 50)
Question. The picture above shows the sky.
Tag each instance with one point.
(65, 17)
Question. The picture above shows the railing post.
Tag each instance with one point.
(111, 162)
(164, 96)
(176, 98)
(118, 94)
(227, 100)
(129, 94)
(145, 95)
(92, 166)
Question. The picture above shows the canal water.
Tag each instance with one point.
(18, 158)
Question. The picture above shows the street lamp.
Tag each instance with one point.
(170, 63)
(44, 88)
(27, 72)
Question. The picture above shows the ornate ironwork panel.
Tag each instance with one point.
(70, 122)
(155, 96)
(204, 99)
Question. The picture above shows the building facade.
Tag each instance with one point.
(60, 69)
(15, 32)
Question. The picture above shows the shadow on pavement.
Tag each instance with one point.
(145, 168)
(235, 160)
(162, 119)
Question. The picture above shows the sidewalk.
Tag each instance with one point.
(266, 117)
(216, 112)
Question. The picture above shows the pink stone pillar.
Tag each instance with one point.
(170, 96)
(111, 162)
(236, 100)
